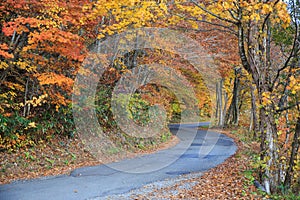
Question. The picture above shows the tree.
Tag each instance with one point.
(43, 44)
(252, 23)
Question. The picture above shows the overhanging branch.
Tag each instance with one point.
(213, 14)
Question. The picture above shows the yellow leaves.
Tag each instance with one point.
(53, 11)
(192, 10)
(57, 107)
(86, 7)
(194, 24)
(221, 9)
(108, 31)
(226, 5)
(5, 97)
(284, 17)
(244, 4)
(283, 14)
(294, 85)
(296, 167)
(257, 11)
(255, 17)
(31, 125)
(3, 65)
(14, 86)
(119, 15)
(266, 98)
(163, 7)
(266, 9)
(174, 20)
(25, 65)
(53, 79)
(100, 36)
(36, 101)
(257, 6)
(266, 95)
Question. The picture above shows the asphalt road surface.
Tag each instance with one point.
(197, 151)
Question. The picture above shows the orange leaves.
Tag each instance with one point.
(46, 25)
(20, 25)
(20, 5)
(54, 79)
(4, 53)
(64, 43)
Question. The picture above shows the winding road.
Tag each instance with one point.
(197, 151)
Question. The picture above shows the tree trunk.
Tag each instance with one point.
(253, 123)
(294, 152)
(269, 154)
(220, 109)
(232, 116)
(217, 100)
(225, 106)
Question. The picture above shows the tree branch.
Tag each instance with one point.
(230, 30)
(213, 14)
(288, 107)
(220, 25)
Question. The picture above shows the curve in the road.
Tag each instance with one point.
(205, 150)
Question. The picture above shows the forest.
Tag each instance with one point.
(250, 52)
